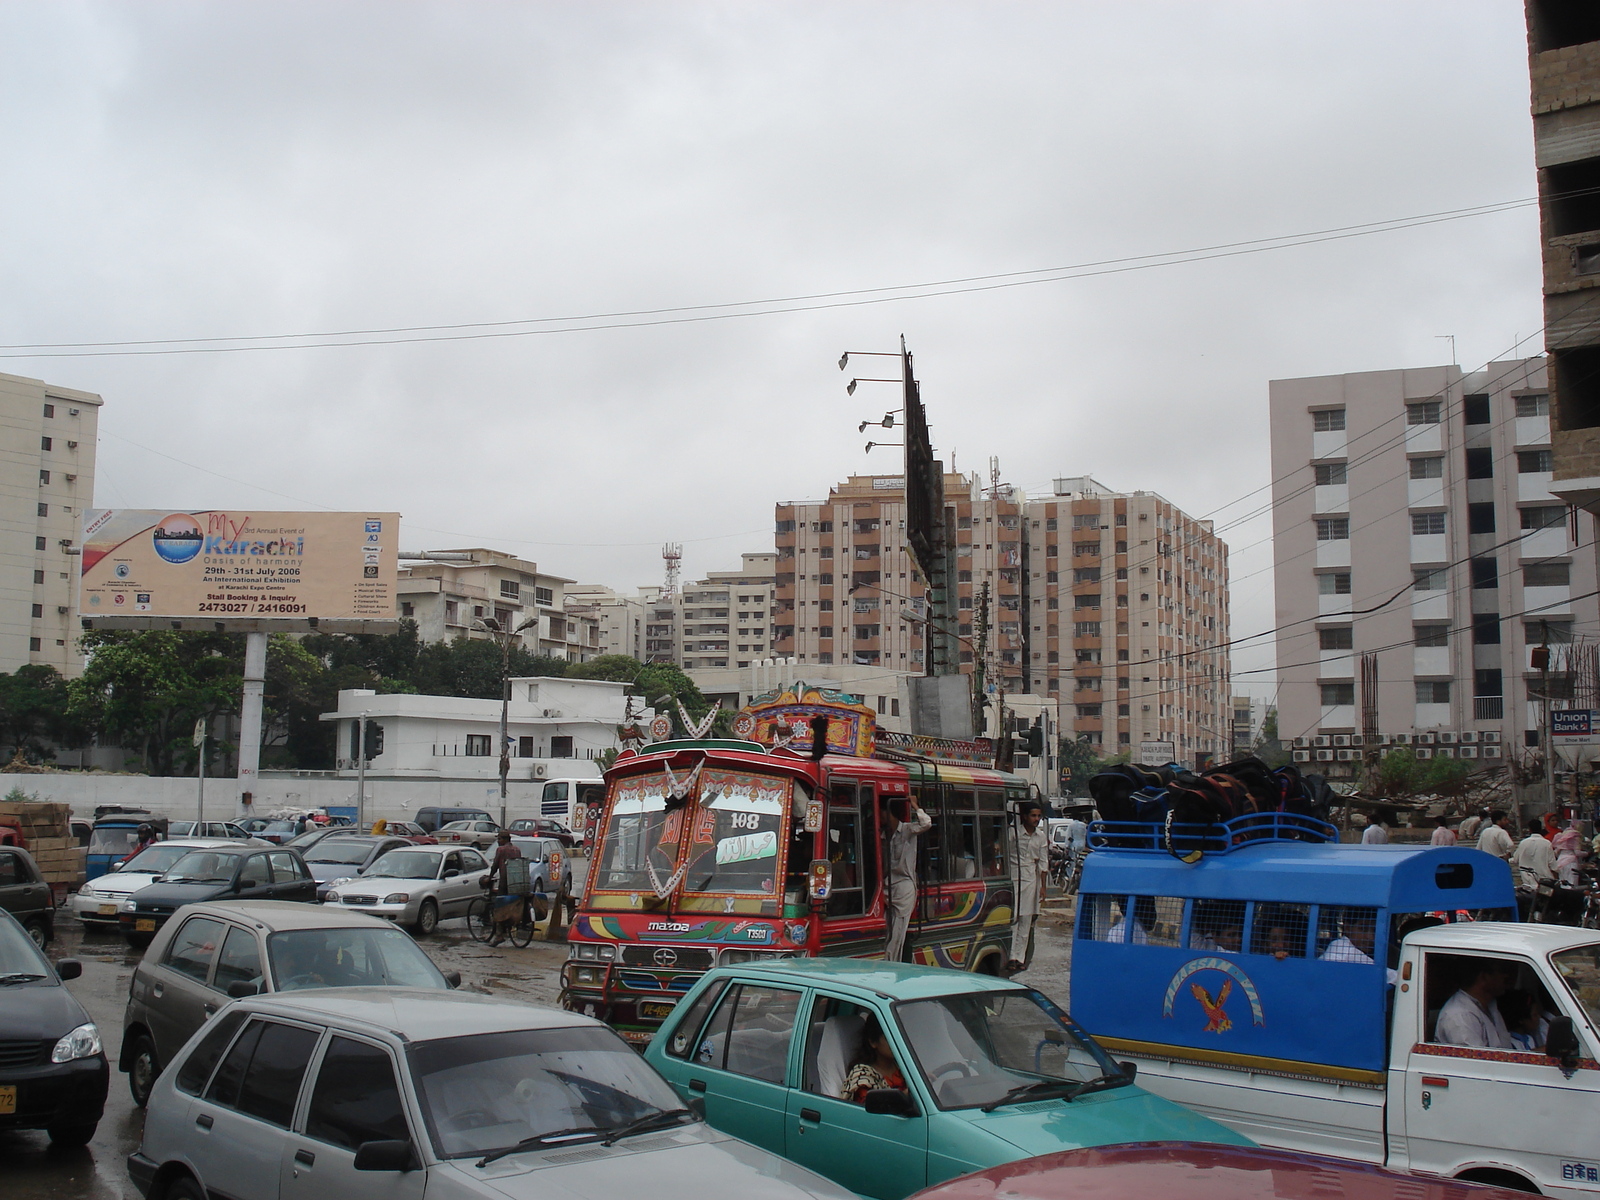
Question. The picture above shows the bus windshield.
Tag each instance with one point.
(641, 843)
(738, 834)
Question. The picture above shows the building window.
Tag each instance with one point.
(1485, 573)
(1431, 635)
(1333, 529)
(49, 410)
(1424, 412)
(1334, 583)
(1433, 691)
(1329, 474)
(525, 747)
(1547, 574)
(1538, 633)
(561, 746)
(1529, 462)
(44, 478)
(1480, 518)
(1328, 420)
(1488, 682)
(784, 527)
(1533, 406)
(1430, 579)
(1340, 638)
(510, 589)
(38, 610)
(38, 576)
(1485, 629)
(825, 657)
(44, 443)
(1427, 468)
(1543, 516)
(1088, 710)
(1475, 410)
(407, 609)
(1335, 694)
(452, 612)
(1086, 629)
(1427, 524)
(39, 543)
(44, 510)
(34, 644)
(545, 596)
(1480, 464)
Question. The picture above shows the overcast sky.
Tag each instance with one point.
(228, 169)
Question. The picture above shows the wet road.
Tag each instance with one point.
(30, 1170)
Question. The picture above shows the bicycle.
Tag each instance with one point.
(480, 920)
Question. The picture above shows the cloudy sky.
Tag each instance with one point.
(238, 170)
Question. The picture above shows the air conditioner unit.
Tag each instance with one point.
(551, 712)
(1347, 756)
(1445, 752)
(1386, 739)
(1490, 737)
(1491, 752)
(538, 770)
(1447, 739)
(1341, 739)
(1324, 740)
(1467, 752)
(1301, 743)
(1469, 735)
(1357, 741)
(1402, 739)
(1424, 753)
(72, 478)
(1424, 739)
(72, 445)
(1302, 756)
(61, 608)
(1324, 755)
(72, 412)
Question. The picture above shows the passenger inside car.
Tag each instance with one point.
(874, 1065)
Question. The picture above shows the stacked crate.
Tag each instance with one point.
(47, 829)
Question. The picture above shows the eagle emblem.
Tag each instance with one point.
(1217, 1019)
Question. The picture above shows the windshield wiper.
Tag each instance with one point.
(663, 1118)
(19, 977)
(1046, 1089)
(1099, 1083)
(539, 1139)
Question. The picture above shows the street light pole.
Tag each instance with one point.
(361, 770)
(492, 627)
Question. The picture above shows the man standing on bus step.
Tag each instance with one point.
(1030, 868)
(903, 820)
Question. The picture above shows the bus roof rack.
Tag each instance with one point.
(1142, 837)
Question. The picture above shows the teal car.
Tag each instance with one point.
(992, 1071)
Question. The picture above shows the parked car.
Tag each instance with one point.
(218, 952)
(371, 1093)
(114, 835)
(993, 1071)
(543, 854)
(53, 1072)
(228, 830)
(338, 859)
(220, 873)
(544, 827)
(432, 818)
(269, 829)
(411, 831)
(418, 886)
(99, 903)
(481, 834)
(25, 894)
(1200, 1171)
(315, 834)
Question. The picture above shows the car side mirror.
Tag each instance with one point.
(116, 866)
(1129, 1069)
(69, 968)
(891, 1102)
(453, 978)
(451, 873)
(1561, 1043)
(240, 988)
(396, 1155)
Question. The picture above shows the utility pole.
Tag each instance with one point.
(361, 771)
(980, 658)
(255, 683)
(200, 742)
(1549, 745)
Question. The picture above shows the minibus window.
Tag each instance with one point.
(1280, 930)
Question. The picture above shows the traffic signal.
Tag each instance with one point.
(374, 741)
(1033, 740)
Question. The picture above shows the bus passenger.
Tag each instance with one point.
(1031, 870)
(903, 820)
(1354, 944)
(1471, 1017)
(1141, 926)
(874, 1065)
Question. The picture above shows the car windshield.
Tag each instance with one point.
(641, 842)
(113, 839)
(738, 835)
(155, 859)
(333, 850)
(492, 1090)
(977, 1048)
(20, 960)
(1579, 968)
(313, 958)
(203, 866)
(404, 864)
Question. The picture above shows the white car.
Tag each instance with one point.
(395, 1094)
(97, 902)
(417, 886)
(481, 834)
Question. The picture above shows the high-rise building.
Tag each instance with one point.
(456, 593)
(46, 481)
(1113, 603)
(1413, 521)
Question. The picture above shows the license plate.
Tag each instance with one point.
(108, 910)
(8, 1099)
(144, 925)
(652, 1009)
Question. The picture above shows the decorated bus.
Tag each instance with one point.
(771, 844)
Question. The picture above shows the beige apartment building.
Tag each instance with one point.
(452, 593)
(1113, 603)
(1414, 521)
(46, 482)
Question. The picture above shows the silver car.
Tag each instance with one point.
(417, 886)
(98, 902)
(392, 1094)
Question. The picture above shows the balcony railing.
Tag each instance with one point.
(1488, 708)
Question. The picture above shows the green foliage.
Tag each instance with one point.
(34, 713)
(17, 796)
(1399, 773)
(1083, 761)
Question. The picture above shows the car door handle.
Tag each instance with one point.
(210, 1008)
(810, 1114)
(203, 1120)
(157, 990)
(305, 1157)
(697, 1085)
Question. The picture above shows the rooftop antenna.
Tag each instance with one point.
(672, 556)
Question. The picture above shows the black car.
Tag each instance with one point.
(25, 895)
(432, 819)
(53, 1072)
(216, 873)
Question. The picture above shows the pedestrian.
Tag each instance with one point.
(1535, 859)
(380, 827)
(143, 836)
(1375, 834)
(1443, 835)
(1495, 839)
(505, 906)
(1473, 826)
(1569, 851)
(1030, 867)
(903, 820)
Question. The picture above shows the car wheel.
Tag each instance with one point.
(67, 1136)
(143, 1069)
(183, 1188)
(427, 918)
(139, 940)
(38, 931)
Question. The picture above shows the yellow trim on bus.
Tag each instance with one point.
(1246, 1062)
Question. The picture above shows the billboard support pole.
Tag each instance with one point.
(255, 682)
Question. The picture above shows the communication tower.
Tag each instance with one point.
(672, 556)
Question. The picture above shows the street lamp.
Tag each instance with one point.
(491, 626)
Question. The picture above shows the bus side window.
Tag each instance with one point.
(961, 837)
(848, 851)
(992, 828)
(931, 843)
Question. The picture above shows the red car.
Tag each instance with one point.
(1199, 1171)
(544, 827)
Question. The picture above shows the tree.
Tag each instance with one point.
(1400, 774)
(1080, 760)
(472, 667)
(33, 713)
(1268, 748)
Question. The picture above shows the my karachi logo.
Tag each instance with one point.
(177, 538)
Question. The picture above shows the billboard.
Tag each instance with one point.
(1574, 727)
(238, 565)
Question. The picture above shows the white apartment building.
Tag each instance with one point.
(1413, 521)
(47, 448)
(619, 619)
(452, 593)
(723, 620)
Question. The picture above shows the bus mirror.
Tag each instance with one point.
(814, 816)
(820, 879)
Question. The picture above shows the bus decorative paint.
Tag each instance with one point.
(716, 851)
